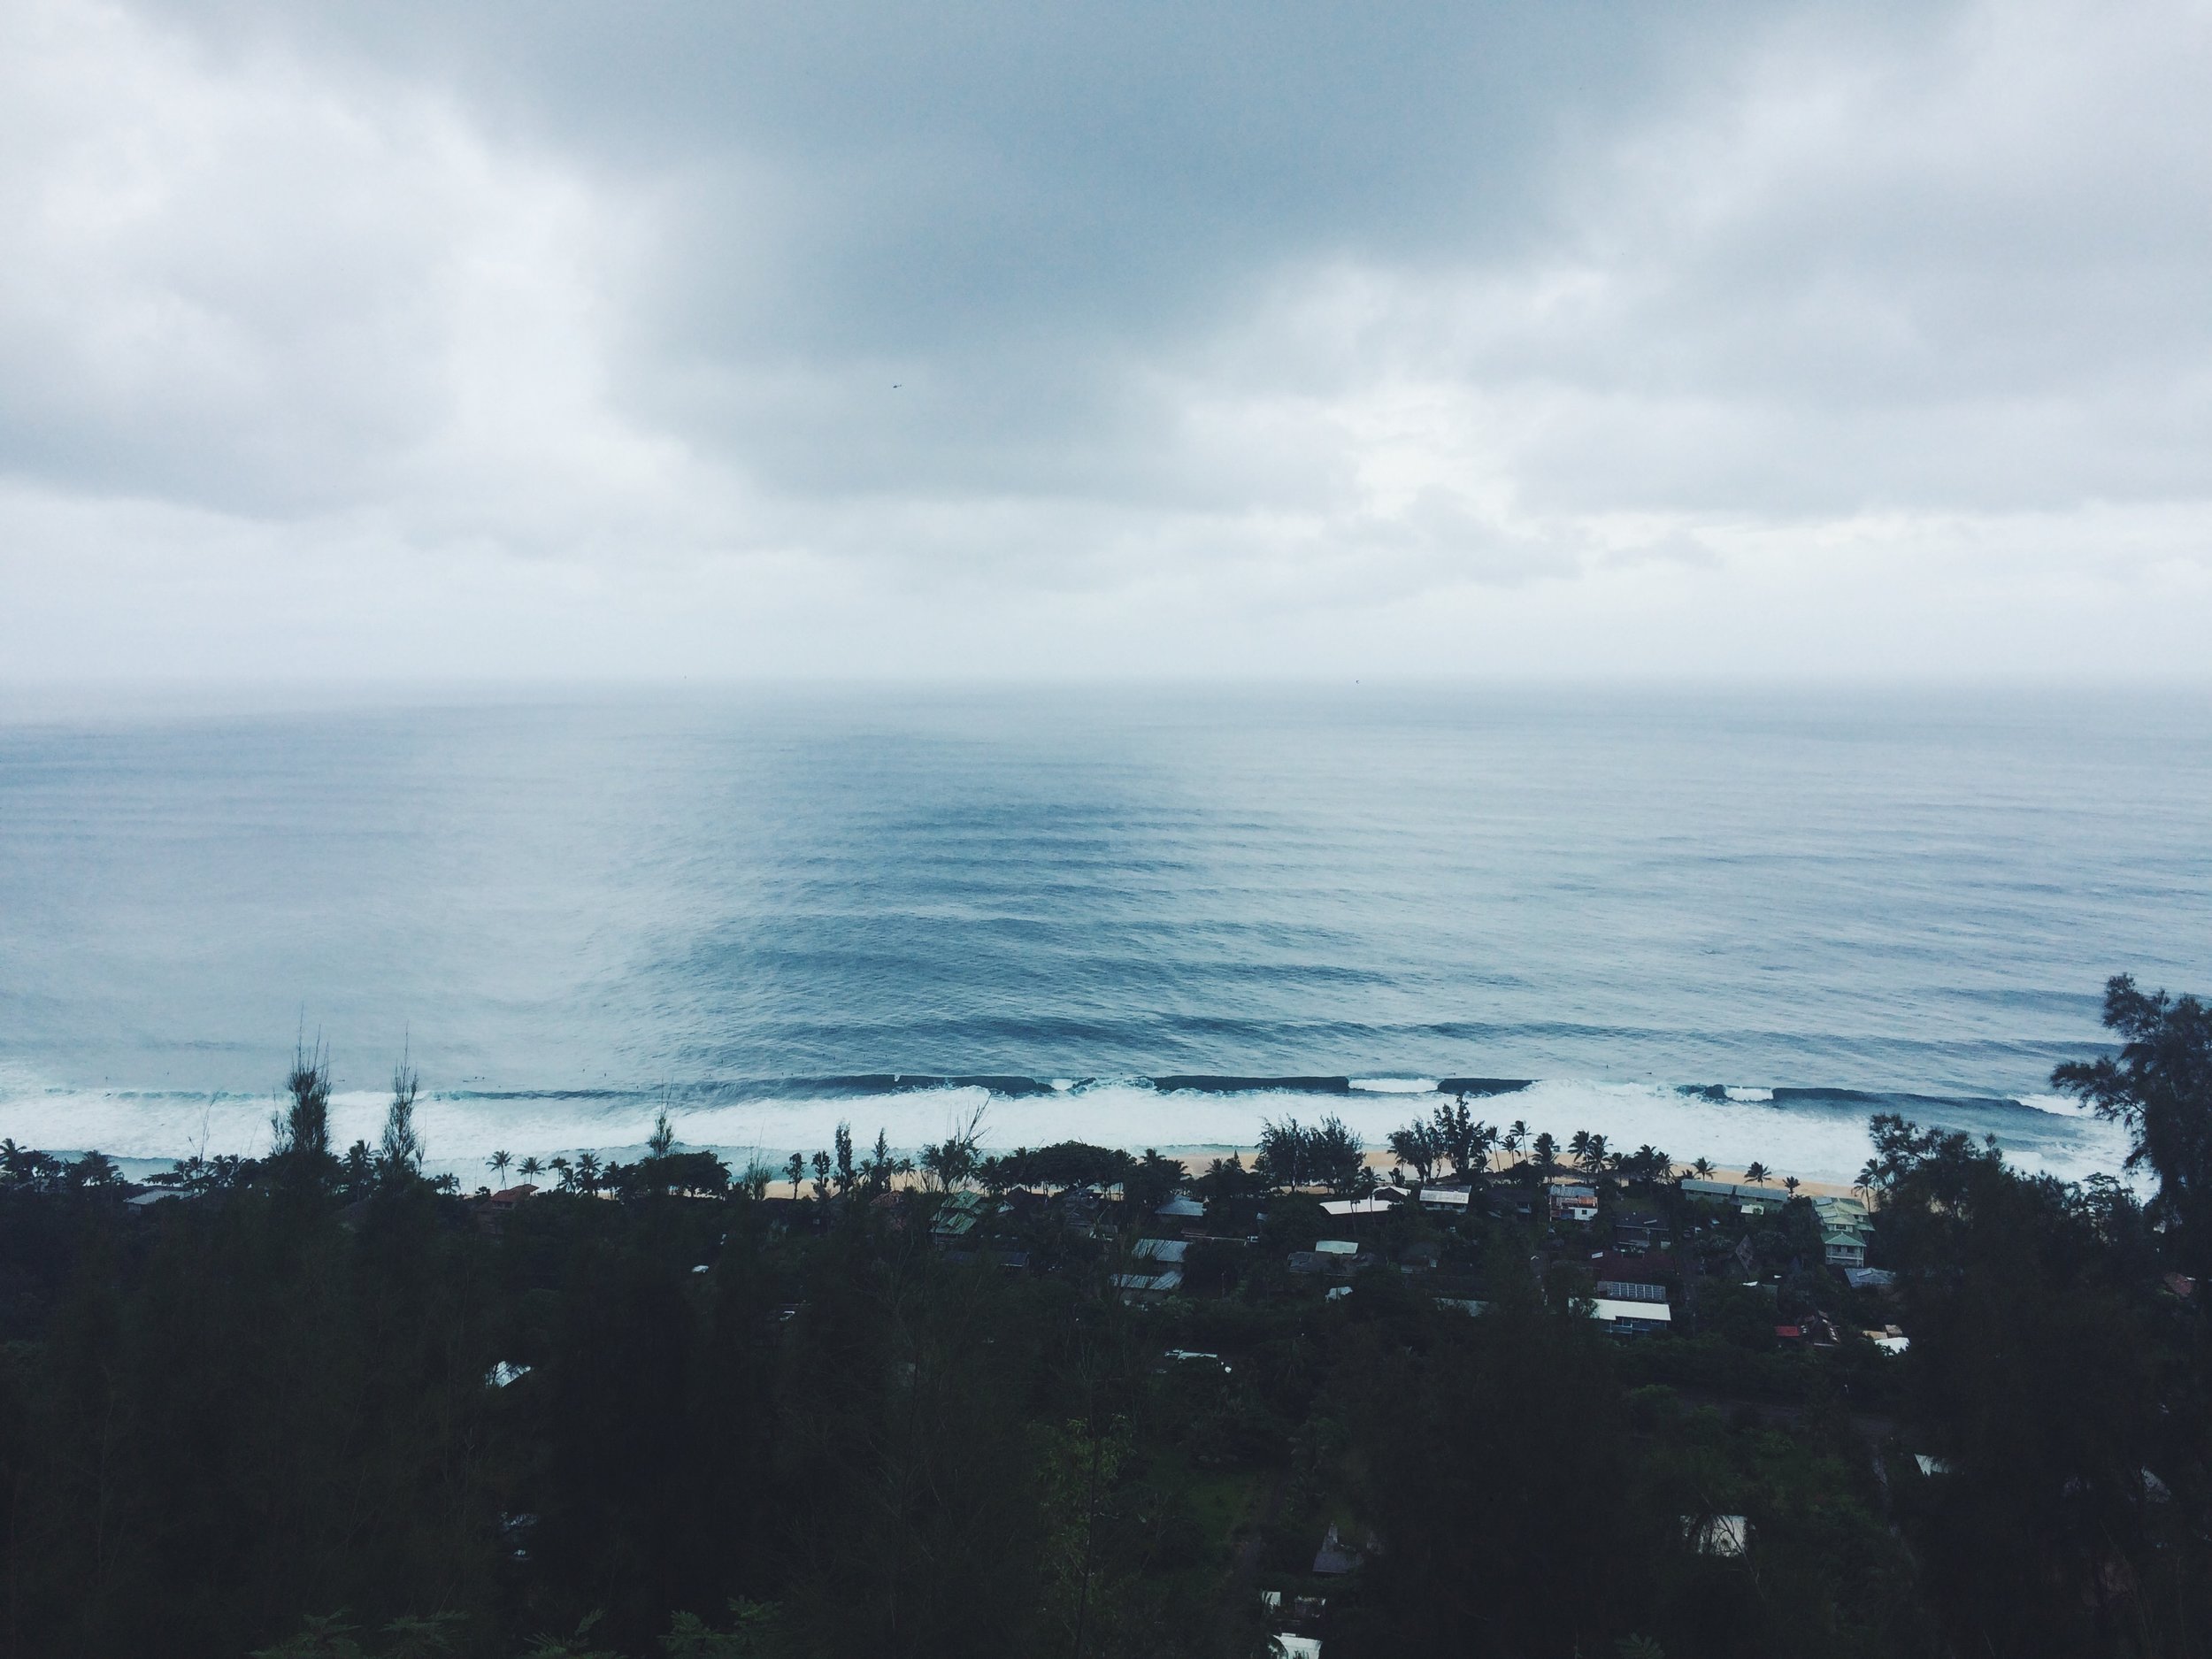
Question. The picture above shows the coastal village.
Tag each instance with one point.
(1307, 1400)
(1729, 1274)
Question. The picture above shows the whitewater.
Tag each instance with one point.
(1729, 923)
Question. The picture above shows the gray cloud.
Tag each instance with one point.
(583, 323)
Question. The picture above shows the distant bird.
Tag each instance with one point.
(895, 386)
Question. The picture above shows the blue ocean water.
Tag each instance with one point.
(1730, 923)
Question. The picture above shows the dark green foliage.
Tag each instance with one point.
(1326, 1154)
(2050, 1374)
(2160, 1087)
(1069, 1164)
(265, 1418)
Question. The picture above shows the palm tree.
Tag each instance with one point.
(1578, 1148)
(795, 1170)
(1515, 1135)
(499, 1161)
(1790, 1184)
(565, 1169)
(1595, 1155)
(1756, 1173)
(1484, 1139)
(530, 1166)
(1703, 1169)
(588, 1171)
(1547, 1151)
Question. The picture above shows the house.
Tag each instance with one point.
(1750, 1200)
(1446, 1197)
(959, 1216)
(1631, 1318)
(507, 1197)
(1869, 1278)
(1619, 1278)
(1137, 1284)
(1181, 1208)
(1639, 1230)
(1357, 1207)
(1336, 1247)
(1573, 1199)
(1171, 1250)
(1292, 1647)
(1844, 1249)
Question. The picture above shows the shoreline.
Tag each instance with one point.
(1195, 1160)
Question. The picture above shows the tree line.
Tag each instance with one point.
(323, 1405)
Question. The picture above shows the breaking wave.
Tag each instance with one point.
(1818, 1134)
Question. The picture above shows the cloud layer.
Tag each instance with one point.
(580, 340)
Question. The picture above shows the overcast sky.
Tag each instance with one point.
(575, 339)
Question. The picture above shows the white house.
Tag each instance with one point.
(1632, 1316)
(1845, 1249)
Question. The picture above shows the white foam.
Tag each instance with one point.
(462, 1132)
(1750, 1096)
(2057, 1105)
(1395, 1085)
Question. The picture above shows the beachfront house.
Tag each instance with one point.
(1571, 1199)
(1748, 1199)
(1181, 1208)
(1844, 1249)
(1171, 1251)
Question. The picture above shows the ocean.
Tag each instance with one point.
(1731, 923)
